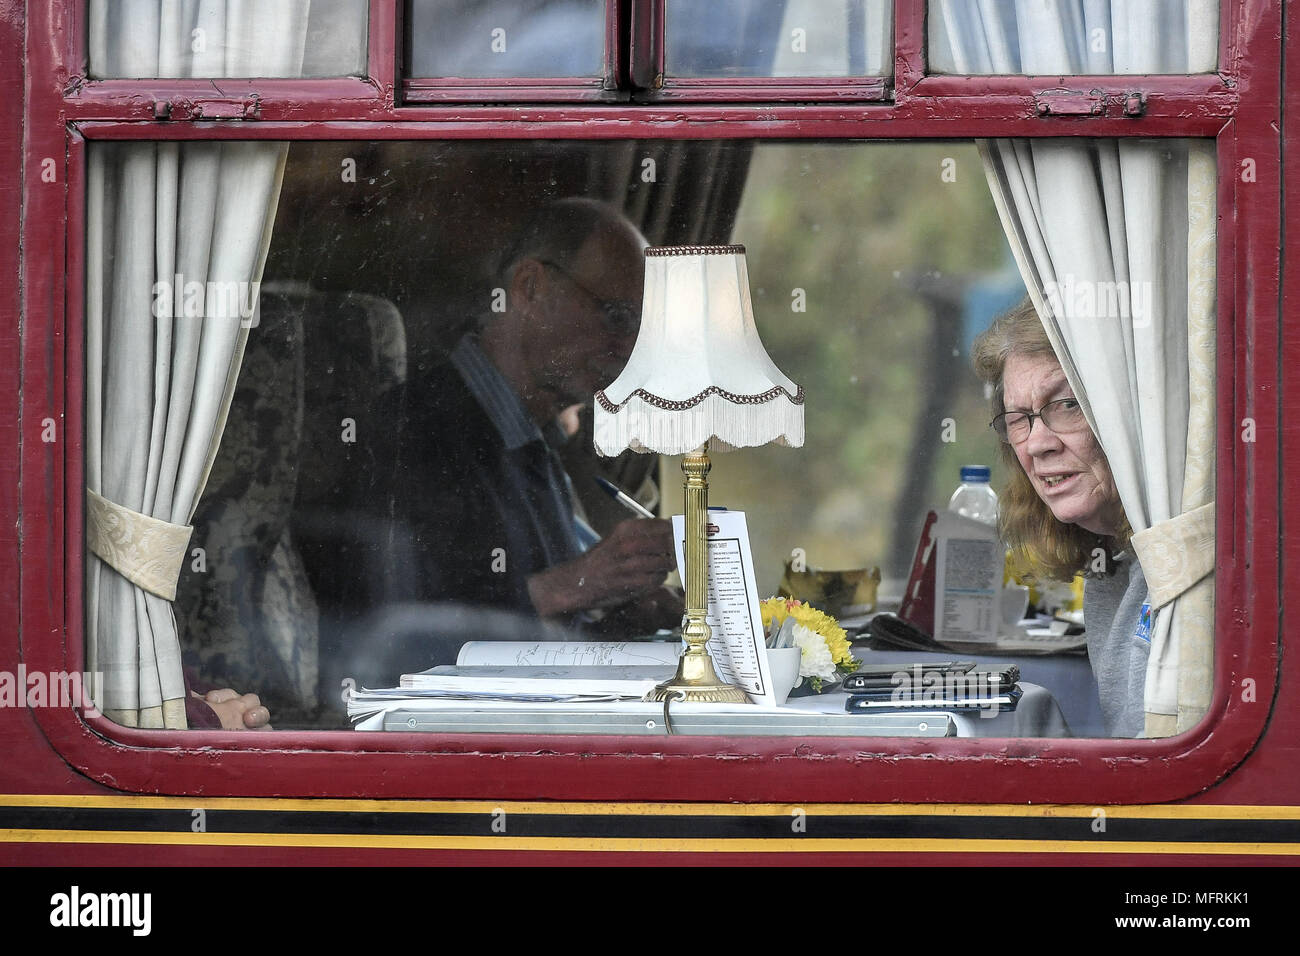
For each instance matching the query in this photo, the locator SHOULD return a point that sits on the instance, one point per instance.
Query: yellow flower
(819, 622)
(775, 609)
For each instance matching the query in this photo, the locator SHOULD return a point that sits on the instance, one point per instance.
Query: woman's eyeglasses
(1062, 416)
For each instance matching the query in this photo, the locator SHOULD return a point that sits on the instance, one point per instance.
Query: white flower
(815, 659)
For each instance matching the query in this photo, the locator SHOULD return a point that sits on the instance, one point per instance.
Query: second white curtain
(1115, 241)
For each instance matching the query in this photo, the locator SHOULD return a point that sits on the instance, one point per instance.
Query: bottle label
(968, 580)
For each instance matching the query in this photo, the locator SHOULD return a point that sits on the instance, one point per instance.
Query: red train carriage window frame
(1239, 107)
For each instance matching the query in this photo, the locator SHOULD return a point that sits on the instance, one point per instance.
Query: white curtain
(1115, 241)
(177, 235)
(1073, 37)
(213, 38)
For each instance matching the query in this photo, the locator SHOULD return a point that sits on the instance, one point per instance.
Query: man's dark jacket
(474, 518)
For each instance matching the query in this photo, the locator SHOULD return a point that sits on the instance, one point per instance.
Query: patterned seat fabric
(250, 612)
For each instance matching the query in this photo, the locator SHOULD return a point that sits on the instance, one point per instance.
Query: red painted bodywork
(1245, 752)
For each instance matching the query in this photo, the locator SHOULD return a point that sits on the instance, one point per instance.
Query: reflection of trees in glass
(877, 241)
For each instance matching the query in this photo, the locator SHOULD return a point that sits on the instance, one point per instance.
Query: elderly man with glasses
(477, 487)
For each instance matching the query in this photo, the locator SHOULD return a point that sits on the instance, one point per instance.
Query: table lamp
(698, 375)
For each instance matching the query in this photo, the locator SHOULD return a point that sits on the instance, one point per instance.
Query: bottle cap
(971, 473)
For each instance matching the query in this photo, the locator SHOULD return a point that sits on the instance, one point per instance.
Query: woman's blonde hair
(1054, 548)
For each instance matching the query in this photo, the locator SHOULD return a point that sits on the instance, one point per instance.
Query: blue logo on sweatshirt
(1145, 620)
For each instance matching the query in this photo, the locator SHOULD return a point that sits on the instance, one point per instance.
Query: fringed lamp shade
(698, 372)
(698, 379)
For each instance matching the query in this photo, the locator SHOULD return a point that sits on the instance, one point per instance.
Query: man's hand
(237, 711)
(659, 609)
(629, 562)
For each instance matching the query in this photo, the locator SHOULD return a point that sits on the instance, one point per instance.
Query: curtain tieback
(1177, 553)
(147, 551)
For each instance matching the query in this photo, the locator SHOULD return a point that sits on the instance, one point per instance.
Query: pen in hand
(626, 500)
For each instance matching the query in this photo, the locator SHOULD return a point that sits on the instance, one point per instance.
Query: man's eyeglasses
(619, 318)
(1062, 416)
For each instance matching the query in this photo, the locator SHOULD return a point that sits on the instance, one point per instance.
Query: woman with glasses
(1061, 510)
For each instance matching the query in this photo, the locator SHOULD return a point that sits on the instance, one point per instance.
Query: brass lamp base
(696, 682)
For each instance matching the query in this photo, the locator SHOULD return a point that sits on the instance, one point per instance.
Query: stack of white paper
(544, 672)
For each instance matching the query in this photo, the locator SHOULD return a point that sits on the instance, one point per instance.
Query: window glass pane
(131, 40)
(409, 447)
(832, 252)
(505, 38)
(706, 38)
(1017, 36)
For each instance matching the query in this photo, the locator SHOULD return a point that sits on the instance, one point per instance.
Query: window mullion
(909, 45)
(646, 45)
(386, 47)
(618, 30)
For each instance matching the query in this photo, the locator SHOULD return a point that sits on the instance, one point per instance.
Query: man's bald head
(556, 232)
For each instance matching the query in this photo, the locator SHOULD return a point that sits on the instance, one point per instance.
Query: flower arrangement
(826, 655)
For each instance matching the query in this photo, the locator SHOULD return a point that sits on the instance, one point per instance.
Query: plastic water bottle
(974, 498)
(970, 563)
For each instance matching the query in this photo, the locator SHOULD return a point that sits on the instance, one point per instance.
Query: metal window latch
(1069, 103)
(1135, 104)
(1076, 103)
(212, 108)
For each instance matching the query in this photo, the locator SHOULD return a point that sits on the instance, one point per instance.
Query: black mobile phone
(867, 703)
(882, 675)
(1005, 676)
